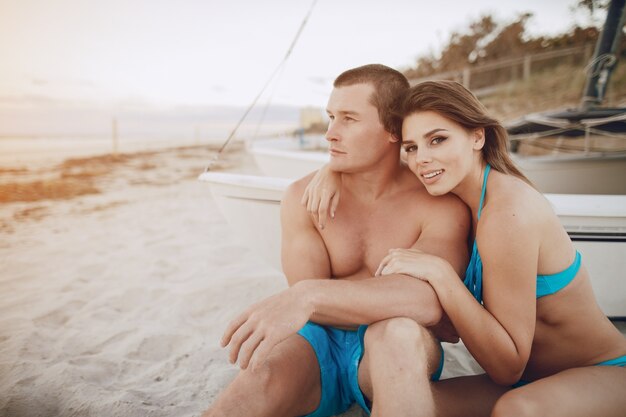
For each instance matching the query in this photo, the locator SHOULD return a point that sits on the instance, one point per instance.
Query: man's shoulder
(295, 190)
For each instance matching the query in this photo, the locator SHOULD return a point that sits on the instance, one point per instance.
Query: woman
(525, 308)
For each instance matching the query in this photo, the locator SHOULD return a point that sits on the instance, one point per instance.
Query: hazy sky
(220, 52)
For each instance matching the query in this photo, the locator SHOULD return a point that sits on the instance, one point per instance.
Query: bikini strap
(482, 193)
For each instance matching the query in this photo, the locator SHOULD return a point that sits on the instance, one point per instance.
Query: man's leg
(399, 358)
(287, 385)
(395, 373)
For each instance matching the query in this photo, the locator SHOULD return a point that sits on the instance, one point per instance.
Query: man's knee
(391, 345)
(275, 379)
(396, 334)
(266, 376)
(516, 403)
(289, 379)
(260, 389)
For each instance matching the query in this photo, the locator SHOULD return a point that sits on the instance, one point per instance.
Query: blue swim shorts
(339, 353)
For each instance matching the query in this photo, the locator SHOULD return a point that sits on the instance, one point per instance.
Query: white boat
(289, 157)
(596, 224)
(251, 206)
(562, 174)
(575, 174)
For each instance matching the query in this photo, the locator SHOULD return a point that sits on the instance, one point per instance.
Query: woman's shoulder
(512, 203)
(508, 191)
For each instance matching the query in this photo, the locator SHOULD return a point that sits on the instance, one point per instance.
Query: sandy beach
(112, 302)
(118, 276)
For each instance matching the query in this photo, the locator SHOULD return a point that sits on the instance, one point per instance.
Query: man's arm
(303, 252)
(445, 231)
(347, 303)
(312, 296)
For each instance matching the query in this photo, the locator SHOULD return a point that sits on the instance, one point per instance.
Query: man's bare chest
(357, 243)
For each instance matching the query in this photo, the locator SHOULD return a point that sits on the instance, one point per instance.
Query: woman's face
(440, 152)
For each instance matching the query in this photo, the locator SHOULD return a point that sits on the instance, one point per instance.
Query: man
(299, 350)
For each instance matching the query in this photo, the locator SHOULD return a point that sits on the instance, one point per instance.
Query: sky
(162, 54)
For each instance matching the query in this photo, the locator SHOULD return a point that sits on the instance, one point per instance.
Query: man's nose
(331, 132)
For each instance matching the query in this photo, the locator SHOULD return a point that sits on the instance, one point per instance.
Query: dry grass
(83, 176)
(554, 89)
(13, 171)
(74, 177)
(97, 160)
(53, 189)
(103, 207)
(32, 213)
(557, 88)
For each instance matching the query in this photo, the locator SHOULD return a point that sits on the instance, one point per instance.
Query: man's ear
(478, 136)
(393, 138)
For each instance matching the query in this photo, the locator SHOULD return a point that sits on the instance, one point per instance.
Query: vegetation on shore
(557, 84)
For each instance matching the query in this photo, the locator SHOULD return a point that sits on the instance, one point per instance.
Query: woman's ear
(478, 136)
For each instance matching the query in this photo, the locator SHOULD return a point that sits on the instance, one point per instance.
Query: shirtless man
(307, 350)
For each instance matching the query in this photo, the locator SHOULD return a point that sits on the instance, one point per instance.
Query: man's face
(357, 139)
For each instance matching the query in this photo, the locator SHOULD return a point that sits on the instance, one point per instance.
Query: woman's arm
(499, 335)
(321, 196)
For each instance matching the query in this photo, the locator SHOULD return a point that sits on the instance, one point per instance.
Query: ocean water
(38, 135)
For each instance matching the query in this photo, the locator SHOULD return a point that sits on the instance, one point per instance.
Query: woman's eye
(410, 148)
(438, 139)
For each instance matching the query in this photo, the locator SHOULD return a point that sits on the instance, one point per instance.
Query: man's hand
(255, 332)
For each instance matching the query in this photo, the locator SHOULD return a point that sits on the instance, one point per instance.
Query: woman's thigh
(578, 392)
(466, 396)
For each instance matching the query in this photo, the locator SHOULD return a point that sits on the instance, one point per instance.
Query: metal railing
(487, 78)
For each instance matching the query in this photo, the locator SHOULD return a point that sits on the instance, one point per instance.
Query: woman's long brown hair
(450, 99)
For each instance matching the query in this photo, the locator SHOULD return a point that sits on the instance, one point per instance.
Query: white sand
(113, 304)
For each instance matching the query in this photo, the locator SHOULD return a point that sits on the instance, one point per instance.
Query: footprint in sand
(60, 316)
(158, 348)
(118, 340)
(28, 381)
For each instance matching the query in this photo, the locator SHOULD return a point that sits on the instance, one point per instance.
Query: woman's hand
(411, 262)
(321, 196)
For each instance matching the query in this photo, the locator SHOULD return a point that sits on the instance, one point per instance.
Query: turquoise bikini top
(546, 284)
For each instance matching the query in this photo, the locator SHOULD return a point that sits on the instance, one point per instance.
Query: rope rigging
(267, 83)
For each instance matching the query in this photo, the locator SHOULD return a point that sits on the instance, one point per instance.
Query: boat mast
(278, 68)
(605, 58)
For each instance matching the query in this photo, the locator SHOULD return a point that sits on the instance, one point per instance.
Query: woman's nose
(422, 155)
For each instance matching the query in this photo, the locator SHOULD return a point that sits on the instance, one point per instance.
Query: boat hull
(595, 223)
(575, 174)
(251, 206)
(562, 174)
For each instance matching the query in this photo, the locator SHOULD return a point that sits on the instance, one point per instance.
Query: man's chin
(336, 166)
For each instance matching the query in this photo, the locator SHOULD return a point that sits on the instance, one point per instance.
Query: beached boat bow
(595, 223)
